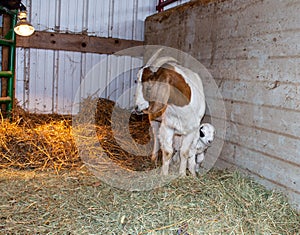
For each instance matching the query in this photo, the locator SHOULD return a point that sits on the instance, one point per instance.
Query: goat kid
(199, 146)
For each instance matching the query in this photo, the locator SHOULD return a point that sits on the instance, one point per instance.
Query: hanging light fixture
(23, 27)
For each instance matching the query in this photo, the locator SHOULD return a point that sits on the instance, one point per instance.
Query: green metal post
(12, 52)
(9, 40)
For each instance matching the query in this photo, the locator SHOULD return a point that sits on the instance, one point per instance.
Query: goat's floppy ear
(160, 93)
(147, 74)
(180, 91)
(155, 90)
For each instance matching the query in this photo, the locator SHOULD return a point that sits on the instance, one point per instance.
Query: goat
(206, 137)
(174, 95)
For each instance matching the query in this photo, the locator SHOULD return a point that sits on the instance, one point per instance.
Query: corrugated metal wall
(47, 80)
(252, 50)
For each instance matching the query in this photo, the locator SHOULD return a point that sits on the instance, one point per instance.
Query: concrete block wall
(252, 50)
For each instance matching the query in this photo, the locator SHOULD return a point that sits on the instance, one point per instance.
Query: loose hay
(37, 141)
(75, 202)
(43, 141)
(72, 201)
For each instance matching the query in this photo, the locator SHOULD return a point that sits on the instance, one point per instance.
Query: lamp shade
(23, 27)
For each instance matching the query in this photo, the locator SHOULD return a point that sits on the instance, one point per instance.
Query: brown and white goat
(173, 95)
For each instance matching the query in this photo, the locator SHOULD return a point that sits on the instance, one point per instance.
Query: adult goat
(172, 94)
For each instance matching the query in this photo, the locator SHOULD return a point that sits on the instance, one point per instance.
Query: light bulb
(23, 27)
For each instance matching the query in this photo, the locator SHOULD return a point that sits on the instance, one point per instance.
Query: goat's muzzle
(137, 111)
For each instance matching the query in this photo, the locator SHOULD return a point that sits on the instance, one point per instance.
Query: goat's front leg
(199, 159)
(192, 164)
(166, 160)
(177, 142)
(166, 141)
(156, 146)
(188, 160)
(183, 163)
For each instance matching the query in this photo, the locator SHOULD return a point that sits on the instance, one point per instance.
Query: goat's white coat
(177, 120)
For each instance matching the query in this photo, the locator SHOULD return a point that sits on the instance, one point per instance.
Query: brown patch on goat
(164, 87)
(180, 93)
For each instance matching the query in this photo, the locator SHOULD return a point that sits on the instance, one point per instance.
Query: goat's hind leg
(187, 155)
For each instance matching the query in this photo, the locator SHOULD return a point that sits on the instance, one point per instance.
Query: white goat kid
(206, 137)
(174, 94)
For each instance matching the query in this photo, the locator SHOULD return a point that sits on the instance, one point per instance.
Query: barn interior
(75, 159)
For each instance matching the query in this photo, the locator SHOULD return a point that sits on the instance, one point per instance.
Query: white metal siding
(174, 4)
(47, 80)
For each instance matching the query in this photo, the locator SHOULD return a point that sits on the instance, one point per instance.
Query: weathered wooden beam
(75, 42)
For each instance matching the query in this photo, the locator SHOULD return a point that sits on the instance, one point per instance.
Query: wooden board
(75, 42)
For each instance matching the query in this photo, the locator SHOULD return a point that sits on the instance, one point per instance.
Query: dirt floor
(76, 202)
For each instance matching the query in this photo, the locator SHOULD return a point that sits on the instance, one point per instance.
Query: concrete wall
(252, 50)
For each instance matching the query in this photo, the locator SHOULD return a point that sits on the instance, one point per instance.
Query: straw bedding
(45, 189)
(43, 141)
(75, 202)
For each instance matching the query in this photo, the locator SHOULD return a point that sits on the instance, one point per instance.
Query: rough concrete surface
(252, 50)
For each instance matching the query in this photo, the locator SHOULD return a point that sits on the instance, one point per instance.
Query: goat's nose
(209, 141)
(137, 111)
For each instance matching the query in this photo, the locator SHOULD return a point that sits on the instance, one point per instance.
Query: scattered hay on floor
(37, 141)
(75, 202)
(72, 201)
(112, 132)
(43, 141)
